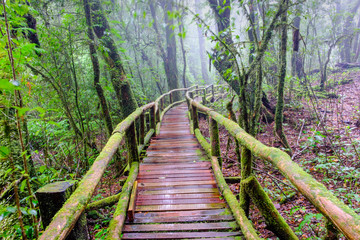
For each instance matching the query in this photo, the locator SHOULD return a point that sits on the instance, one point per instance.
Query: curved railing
(66, 218)
(344, 218)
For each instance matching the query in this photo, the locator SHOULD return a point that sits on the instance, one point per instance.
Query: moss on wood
(116, 224)
(344, 218)
(214, 139)
(274, 221)
(205, 145)
(238, 213)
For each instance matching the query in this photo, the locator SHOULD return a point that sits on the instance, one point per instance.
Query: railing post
(195, 117)
(153, 119)
(212, 91)
(148, 121)
(142, 128)
(131, 143)
(204, 97)
(161, 103)
(51, 198)
(171, 98)
(157, 115)
(215, 141)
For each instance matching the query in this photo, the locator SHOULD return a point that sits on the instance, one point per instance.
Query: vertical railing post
(171, 98)
(147, 121)
(51, 197)
(215, 141)
(142, 128)
(212, 91)
(153, 119)
(157, 114)
(161, 103)
(131, 143)
(204, 97)
(195, 117)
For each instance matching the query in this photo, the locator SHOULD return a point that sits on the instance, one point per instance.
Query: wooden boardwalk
(177, 195)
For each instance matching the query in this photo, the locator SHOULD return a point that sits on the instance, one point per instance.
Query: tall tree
(279, 116)
(96, 69)
(296, 59)
(168, 56)
(348, 30)
(111, 55)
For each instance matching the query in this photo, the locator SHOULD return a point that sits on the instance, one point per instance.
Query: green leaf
(54, 123)
(11, 209)
(33, 212)
(22, 111)
(23, 185)
(4, 151)
(5, 84)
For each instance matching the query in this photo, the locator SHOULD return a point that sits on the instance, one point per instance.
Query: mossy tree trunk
(96, 69)
(279, 116)
(296, 58)
(118, 77)
(168, 56)
(112, 58)
(249, 112)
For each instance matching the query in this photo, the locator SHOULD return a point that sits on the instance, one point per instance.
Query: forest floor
(324, 135)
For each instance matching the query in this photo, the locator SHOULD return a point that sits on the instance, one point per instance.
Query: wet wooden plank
(179, 207)
(181, 227)
(177, 187)
(178, 201)
(173, 146)
(173, 153)
(207, 212)
(176, 191)
(173, 160)
(180, 196)
(171, 184)
(132, 203)
(168, 171)
(163, 176)
(178, 235)
(166, 179)
(198, 218)
(146, 166)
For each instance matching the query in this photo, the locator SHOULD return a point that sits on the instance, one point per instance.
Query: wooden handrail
(64, 221)
(343, 217)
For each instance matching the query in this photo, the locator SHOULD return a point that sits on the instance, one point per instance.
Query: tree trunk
(169, 57)
(171, 61)
(279, 116)
(182, 35)
(348, 30)
(118, 77)
(356, 43)
(96, 69)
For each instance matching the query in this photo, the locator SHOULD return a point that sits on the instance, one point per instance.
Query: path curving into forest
(177, 194)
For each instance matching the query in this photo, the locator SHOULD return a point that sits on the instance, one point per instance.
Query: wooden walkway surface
(177, 195)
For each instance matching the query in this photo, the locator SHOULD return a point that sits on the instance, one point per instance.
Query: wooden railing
(66, 218)
(344, 218)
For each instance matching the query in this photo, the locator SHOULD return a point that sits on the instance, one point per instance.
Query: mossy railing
(65, 219)
(343, 217)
